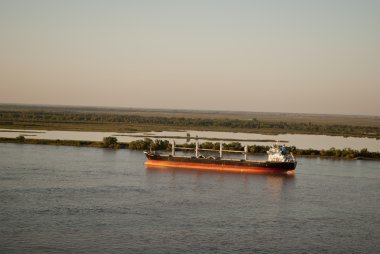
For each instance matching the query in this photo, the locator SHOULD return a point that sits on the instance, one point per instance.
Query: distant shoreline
(35, 117)
(307, 153)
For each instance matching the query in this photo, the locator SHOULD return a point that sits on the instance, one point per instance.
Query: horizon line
(184, 109)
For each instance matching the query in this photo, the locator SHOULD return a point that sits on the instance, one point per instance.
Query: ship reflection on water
(276, 185)
(268, 172)
(276, 188)
(275, 182)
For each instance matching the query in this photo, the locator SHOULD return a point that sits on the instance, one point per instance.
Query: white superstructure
(279, 154)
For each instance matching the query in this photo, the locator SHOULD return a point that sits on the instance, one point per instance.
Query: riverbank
(146, 144)
(145, 120)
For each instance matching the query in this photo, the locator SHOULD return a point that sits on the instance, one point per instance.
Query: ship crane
(197, 149)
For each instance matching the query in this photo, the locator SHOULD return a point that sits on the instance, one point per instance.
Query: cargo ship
(280, 160)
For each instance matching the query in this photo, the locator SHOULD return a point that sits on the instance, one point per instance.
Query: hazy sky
(278, 56)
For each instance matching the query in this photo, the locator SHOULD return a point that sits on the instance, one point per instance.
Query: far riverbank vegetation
(165, 145)
(139, 120)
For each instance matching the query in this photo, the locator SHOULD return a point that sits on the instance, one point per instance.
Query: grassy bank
(146, 144)
(139, 120)
(79, 143)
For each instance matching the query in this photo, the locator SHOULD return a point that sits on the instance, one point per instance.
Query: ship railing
(183, 148)
(206, 149)
(291, 154)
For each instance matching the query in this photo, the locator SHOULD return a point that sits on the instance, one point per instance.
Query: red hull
(215, 167)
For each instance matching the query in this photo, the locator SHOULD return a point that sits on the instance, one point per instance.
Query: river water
(85, 200)
(299, 140)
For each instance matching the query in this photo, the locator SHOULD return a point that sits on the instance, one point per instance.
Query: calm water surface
(86, 200)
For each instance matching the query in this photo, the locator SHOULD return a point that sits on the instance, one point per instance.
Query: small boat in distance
(280, 160)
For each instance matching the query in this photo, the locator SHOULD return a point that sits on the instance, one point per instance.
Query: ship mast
(173, 148)
(196, 148)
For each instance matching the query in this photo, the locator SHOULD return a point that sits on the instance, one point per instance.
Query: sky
(300, 56)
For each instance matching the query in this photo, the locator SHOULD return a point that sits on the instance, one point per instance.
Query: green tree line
(14, 117)
(156, 145)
